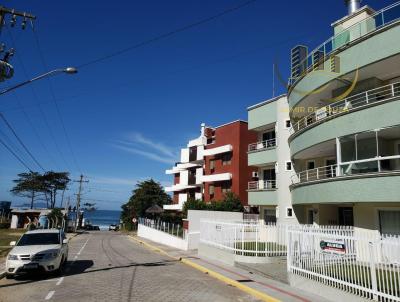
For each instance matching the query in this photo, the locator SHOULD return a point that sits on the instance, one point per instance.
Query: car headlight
(52, 255)
(12, 257)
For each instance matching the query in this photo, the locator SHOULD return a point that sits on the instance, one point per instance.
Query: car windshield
(39, 239)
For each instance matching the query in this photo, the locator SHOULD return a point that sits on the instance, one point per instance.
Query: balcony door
(267, 137)
(269, 176)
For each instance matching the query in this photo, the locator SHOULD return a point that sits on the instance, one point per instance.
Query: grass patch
(261, 249)
(6, 236)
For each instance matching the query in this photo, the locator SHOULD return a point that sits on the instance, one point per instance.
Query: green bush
(230, 203)
(5, 225)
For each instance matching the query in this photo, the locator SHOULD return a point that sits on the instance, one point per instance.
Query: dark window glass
(39, 239)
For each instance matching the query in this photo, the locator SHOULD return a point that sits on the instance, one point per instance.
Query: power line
(20, 141)
(46, 122)
(168, 34)
(15, 155)
(55, 100)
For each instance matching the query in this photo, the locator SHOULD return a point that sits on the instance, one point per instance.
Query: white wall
(283, 177)
(194, 217)
(161, 237)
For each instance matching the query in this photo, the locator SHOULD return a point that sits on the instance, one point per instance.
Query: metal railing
(357, 167)
(245, 239)
(384, 93)
(262, 185)
(358, 261)
(263, 145)
(378, 20)
(166, 227)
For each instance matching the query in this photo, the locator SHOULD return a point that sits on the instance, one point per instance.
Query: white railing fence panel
(363, 263)
(166, 227)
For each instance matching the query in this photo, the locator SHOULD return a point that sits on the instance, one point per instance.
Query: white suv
(39, 250)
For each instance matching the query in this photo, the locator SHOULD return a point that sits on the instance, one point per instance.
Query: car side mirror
(12, 243)
(65, 241)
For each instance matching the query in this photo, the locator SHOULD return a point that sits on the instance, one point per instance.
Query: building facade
(212, 165)
(269, 154)
(344, 101)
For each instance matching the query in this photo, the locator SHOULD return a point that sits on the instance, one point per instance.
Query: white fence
(357, 261)
(166, 227)
(253, 239)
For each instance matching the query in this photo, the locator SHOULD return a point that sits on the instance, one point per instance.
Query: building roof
(266, 102)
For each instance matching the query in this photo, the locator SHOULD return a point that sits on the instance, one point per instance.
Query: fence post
(242, 245)
(372, 264)
(289, 250)
(256, 241)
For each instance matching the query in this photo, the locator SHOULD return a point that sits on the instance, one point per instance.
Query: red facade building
(213, 164)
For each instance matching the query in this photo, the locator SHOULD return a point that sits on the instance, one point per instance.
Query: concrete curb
(3, 274)
(251, 291)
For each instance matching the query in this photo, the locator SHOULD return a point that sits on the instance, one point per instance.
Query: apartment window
(212, 165)
(310, 164)
(289, 212)
(227, 159)
(389, 222)
(211, 191)
(269, 216)
(288, 124)
(288, 166)
(226, 187)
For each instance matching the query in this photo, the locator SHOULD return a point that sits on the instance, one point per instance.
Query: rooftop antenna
(352, 6)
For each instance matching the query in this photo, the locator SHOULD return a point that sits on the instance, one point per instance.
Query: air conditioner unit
(254, 174)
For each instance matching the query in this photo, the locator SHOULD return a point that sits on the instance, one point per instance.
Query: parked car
(113, 227)
(41, 251)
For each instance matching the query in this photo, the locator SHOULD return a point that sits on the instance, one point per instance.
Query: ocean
(103, 218)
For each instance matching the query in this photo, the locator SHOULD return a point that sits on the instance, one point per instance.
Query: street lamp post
(68, 70)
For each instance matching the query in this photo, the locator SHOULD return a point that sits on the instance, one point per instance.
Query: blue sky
(127, 117)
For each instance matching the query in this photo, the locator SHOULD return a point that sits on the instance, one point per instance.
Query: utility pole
(78, 198)
(6, 69)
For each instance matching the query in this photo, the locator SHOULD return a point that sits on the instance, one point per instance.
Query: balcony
(262, 153)
(217, 150)
(263, 145)
(359, 168)
(216, 177)
(262, 185)
(179, 187)
(359, 101)
(316, 59)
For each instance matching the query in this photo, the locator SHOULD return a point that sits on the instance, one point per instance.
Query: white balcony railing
(380, 94)
(263, 145)
(380, 19)
(262, 185)
(356, 168)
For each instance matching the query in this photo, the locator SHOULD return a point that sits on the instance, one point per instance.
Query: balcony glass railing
(262, 185)
(315, 60)
(263, 145)
(356, 168)
(380, 94)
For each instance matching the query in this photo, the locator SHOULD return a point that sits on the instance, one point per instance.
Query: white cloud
(136, 143)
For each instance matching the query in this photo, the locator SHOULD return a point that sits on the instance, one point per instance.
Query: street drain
(245, 280)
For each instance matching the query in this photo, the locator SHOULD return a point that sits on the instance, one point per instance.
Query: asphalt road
(108, 266)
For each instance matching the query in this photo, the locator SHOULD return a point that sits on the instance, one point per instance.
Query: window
(212, 165)
(211, 191)
(389, 222)
(227, 159)
(288, 124)
(288, 166)
(310, 164)
(226, 187)
(269, 216)
(289, 212)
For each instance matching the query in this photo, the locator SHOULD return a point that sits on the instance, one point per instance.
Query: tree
(29, 185)
(89, 207)
(146, 194)
(53, 182)
(56, 217)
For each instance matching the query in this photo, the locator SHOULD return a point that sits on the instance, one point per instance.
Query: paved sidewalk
(258, 282)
